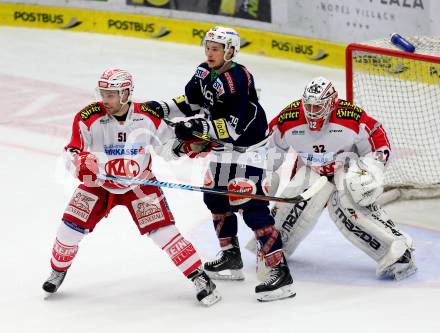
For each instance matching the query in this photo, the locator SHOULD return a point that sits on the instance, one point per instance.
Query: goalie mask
(319, 99)
(119, 80)
(226, 36)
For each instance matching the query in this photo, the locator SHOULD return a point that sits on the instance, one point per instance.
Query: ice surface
(120, 282)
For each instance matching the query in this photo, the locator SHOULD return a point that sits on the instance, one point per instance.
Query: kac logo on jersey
(122, 167)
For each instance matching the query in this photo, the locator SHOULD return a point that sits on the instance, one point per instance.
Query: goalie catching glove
(364, 180)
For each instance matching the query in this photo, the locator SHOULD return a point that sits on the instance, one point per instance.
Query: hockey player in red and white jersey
(113, 137)
(335, 138)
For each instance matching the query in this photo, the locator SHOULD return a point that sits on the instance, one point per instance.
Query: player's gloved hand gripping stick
(217, 142)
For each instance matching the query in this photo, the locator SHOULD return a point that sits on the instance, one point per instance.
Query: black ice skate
(54, 281)
(206, 293)
(278, 284)
(402, 268)
(228, 266)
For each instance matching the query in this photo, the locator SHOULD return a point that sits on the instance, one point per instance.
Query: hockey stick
(315, 188)
(218, 142)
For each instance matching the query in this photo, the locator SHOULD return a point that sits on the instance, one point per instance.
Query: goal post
(402, 91)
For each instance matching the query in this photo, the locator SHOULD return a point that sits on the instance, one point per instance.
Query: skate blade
(228, 274)
(211, 299)
(274, 295)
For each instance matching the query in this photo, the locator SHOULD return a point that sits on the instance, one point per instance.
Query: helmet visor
(316, 111)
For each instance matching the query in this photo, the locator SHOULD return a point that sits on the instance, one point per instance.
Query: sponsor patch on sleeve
(221, 129)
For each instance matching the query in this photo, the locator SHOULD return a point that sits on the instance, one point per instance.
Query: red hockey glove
(191, 148)
(86, 165)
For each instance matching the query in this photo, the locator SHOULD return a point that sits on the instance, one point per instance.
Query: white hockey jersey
(349, 129)
(122, 148)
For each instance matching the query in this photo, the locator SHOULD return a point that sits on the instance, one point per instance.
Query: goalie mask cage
(402, 91)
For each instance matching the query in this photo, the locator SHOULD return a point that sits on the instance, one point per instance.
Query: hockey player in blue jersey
(221, 101)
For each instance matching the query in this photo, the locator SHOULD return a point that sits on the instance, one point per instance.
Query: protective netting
(404, 95)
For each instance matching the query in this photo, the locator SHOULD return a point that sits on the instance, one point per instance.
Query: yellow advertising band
(173, 30)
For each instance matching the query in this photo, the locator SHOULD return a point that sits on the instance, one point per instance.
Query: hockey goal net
(402, 91)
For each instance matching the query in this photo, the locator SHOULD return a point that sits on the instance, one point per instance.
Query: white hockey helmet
(226, 36)
(117, 79)
(319, 99)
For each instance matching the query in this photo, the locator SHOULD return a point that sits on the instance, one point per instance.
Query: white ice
(121, 281)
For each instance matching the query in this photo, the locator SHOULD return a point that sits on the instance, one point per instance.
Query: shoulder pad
(90, 110)
(347, 110)
(153, 108)
(290, 112)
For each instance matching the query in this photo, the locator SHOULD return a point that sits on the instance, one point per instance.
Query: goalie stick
(221, 143)
(306, 195)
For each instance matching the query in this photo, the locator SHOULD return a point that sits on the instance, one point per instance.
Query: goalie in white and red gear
(337, 139)
(114, 137)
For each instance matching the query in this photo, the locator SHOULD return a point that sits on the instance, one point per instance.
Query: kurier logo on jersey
(122, 167)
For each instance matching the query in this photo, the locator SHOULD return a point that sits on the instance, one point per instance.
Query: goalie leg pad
(296, 221)
(370, 229)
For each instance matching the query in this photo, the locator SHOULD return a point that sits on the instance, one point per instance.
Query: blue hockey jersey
(229, 101)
